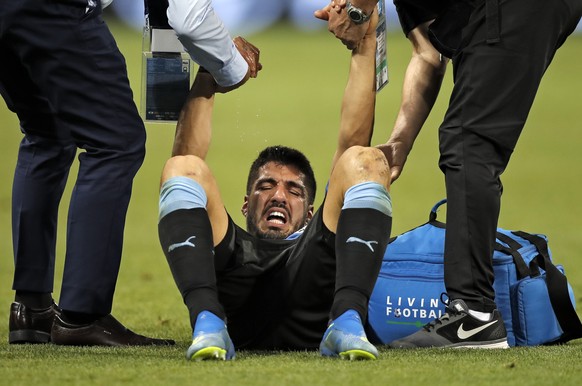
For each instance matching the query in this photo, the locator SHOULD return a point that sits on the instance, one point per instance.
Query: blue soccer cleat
(210, 340)
(345, 338)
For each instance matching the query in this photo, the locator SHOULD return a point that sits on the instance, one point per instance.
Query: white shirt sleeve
(205, 38)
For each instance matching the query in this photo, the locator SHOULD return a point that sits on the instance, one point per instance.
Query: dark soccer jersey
(277, 294)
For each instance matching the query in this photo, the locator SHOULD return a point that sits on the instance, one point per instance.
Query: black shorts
(277, 294)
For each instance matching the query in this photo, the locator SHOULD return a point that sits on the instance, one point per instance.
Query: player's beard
(272, 234)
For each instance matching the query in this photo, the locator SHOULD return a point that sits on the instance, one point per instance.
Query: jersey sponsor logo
(186, 243)
(358, 240)
(466, 334)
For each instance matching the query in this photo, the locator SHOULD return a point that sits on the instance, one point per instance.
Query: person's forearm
(207, 41)
(358, 103)
(194, 127)
(420, 89)
(422, 82)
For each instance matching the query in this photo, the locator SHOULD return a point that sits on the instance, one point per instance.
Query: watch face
(355, 16)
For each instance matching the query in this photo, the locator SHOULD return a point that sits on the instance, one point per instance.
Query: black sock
(186, 238)
(361, 240)
(34, 300)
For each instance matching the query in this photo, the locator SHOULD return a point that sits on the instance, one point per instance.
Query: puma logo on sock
(358, 240)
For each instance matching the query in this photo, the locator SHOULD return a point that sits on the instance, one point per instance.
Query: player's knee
(187, 166)
(368, 163)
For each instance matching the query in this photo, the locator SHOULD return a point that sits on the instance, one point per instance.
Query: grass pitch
(296, 102)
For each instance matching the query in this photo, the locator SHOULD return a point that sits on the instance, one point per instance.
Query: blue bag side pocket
(535, 322)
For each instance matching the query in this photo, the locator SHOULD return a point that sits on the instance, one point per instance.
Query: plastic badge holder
(167, 72)
(381, 55)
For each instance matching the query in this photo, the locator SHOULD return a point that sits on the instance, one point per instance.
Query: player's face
(277, 204)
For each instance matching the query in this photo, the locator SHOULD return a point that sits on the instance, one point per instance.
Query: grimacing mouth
(277, 215)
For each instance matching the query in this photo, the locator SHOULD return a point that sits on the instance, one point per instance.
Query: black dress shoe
(105, 331)
(27, 325)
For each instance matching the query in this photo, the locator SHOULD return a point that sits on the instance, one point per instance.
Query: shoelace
(445, 317)
(431, 325)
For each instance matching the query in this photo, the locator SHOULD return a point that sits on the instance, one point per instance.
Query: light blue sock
(369, 195)
(181, 193)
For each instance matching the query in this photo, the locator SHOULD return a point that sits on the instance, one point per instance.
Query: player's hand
(251, 54)
(338, 23)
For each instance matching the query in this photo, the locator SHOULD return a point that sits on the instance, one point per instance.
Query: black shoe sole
(28, 336)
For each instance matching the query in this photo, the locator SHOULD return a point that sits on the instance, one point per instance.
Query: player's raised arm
(194, 127)
(359, 99)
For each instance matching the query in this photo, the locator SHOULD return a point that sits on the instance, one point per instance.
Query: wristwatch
(357, 15)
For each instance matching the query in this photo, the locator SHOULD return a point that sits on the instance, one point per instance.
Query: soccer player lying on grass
(295, 279)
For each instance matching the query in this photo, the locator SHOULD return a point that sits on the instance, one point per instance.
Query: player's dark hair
(285, 156)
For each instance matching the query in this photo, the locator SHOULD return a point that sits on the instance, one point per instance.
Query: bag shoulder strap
(557, 289)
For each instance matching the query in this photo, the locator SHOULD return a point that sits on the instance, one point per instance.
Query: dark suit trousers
(63, 75)
(495, 86)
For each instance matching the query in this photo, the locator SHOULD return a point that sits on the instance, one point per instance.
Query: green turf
(295, 102)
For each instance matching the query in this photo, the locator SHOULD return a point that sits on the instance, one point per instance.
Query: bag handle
(512, 243)
(433, 212)
(520, 266)
(557, 289)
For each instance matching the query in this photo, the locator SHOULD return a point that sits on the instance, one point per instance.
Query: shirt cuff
(232, 72)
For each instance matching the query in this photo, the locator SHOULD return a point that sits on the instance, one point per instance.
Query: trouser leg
(39, 182)
(71, 64)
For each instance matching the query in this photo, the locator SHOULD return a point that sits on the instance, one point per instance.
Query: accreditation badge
(381, 52)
